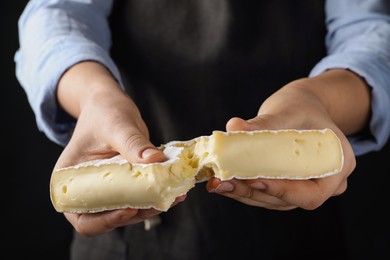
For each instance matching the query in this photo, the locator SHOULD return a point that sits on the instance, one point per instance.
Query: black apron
(190, 66)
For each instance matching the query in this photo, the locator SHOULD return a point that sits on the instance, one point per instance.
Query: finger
(148, 213)
(244, 193)
(341, 189)
(179, 199)
(136, 147)
(239, 124)
(258, 199)
(94, 224)
(142, 215)
(257, 123)
(306, 194)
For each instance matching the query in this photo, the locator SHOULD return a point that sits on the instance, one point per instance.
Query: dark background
(32, 228)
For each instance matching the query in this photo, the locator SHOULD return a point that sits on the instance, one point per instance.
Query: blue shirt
(358, 39)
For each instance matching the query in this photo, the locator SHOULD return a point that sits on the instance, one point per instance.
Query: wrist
(295, 103)
(83, 82)
(338, 94)
(346, 97)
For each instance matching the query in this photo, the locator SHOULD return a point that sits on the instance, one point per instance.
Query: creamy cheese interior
(114, 183)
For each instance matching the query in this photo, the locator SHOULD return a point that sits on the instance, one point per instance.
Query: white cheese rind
(114, 183)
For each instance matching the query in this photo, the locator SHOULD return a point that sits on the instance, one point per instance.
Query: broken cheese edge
(114, 183)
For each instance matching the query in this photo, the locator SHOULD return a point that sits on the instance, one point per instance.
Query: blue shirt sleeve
(358, 39)
(53, 36)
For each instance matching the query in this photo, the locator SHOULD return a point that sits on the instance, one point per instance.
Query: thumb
(135, 147)
(239, 124)
(257, 123)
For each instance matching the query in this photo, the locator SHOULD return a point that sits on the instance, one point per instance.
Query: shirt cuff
(51, 119)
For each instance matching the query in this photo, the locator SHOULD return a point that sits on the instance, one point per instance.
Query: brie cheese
(115, 183)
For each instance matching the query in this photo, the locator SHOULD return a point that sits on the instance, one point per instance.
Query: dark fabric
(190, 66)
(107, 246)
(263, 45)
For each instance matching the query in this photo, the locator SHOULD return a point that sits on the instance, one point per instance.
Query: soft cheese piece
(114, 183)
(287, 154)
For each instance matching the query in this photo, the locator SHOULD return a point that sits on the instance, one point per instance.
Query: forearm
(53, 36)
(339, 93)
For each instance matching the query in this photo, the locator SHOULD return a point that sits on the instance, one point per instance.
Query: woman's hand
(338, 100)
(94, 224)
(108, 123)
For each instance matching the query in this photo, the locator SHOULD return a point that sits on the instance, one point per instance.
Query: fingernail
(149, 153)
(224, 187)
(258, 186)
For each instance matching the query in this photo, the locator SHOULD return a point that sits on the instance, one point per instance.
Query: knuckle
(280, 194)
(284, 207)
(132, 142)
(249, 194)
(313, 203)
(83, 231)
(88, 231)
(341, 189)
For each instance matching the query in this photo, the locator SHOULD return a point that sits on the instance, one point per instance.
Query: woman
(178, 70)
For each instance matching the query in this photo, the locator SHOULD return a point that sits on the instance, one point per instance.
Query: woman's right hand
(108, 123)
